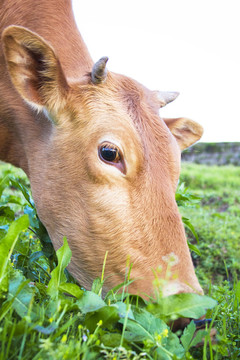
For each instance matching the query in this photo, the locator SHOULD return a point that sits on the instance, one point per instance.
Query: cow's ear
(186, 131)
(34, 68)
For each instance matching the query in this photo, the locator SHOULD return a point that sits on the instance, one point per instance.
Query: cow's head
(103, 167)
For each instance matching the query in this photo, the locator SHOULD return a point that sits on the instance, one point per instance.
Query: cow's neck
(54, 21)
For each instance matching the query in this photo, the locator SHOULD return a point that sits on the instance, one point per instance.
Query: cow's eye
(109, 153)
(112, 155)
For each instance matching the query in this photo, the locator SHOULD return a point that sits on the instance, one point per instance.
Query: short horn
(99, 71)
(165, 97)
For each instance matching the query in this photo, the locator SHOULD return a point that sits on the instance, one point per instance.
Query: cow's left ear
(186, 131)
(34, 68)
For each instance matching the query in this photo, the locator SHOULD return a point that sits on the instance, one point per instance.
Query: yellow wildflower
(165, 333)
(159, 337)
(64, 338)
(100, 323)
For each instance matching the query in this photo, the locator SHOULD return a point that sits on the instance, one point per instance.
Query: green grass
(216, 221)
(53, 318)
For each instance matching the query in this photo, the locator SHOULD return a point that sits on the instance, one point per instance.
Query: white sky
(190, 46)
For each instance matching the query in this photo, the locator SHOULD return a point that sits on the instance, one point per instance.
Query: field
(45, 315)
(216, 220)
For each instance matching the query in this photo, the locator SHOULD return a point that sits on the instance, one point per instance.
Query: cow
(102, 164)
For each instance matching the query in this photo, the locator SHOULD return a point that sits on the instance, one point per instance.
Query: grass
(216, 221)
(53, 318)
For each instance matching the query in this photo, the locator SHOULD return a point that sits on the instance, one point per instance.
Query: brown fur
(52, 120)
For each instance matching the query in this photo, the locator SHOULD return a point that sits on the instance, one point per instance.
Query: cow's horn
(166, 97)
(99, 71)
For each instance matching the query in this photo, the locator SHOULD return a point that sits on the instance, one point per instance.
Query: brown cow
(102, 164)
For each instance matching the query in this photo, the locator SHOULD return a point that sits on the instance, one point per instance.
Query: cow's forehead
(142, 106)
(124, 103)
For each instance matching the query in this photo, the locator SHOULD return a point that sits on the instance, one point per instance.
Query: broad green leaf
(148, 327)
(52, 308)
(3, 230)
(4, 183)
(18, 184)
(71, 289)
(170, 348)
(194, 248)
(7, 245)
(182, 305)
(14, 199)
(187, 222)
(143, 327)
(39, 229)
(46, 330)
(90, 302)
(43, 234)
(182, 197)
(123, 310)
(20, 328)
(21, 293)
(107, 315)
(57, 275)
(31, 212)
(7, 213)
(97, 285)
(5, 307)
(21, 248)
(138, 301)
(35, 256)
(187, 336)
(112, 340)
(198, 338)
